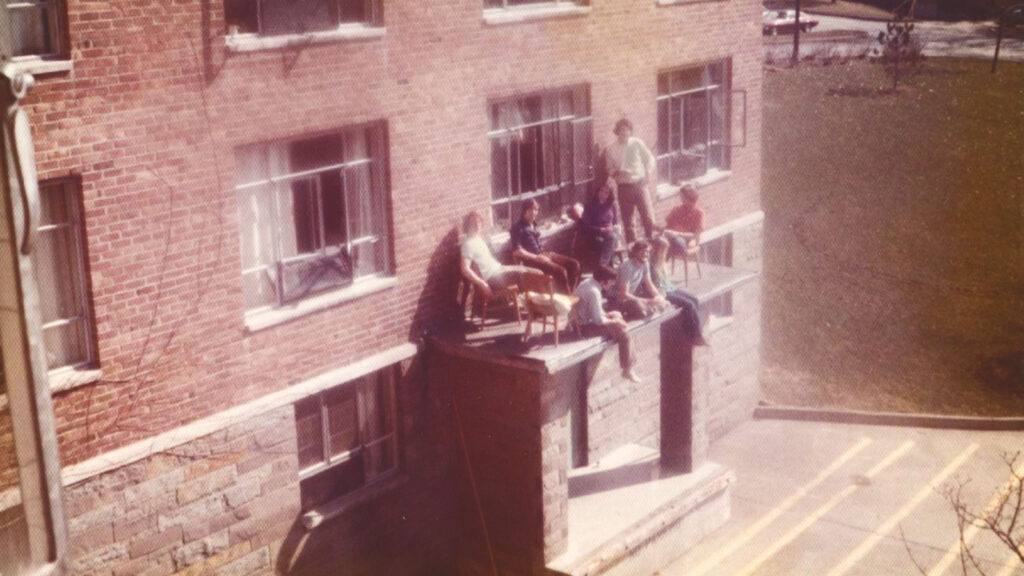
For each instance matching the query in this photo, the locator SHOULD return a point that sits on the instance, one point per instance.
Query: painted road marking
(755, 528)
(782, 542)
(902, 513)
(954, 549)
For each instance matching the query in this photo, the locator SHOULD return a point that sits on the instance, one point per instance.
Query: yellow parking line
(755, 528)
(794, 532)
(954, 549)
(1012, 563)
(902, 513)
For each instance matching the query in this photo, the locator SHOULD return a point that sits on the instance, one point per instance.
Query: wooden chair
(692, 252)
(540, 300)
(507, 298)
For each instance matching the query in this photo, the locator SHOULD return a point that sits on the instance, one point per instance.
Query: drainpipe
(21, 336)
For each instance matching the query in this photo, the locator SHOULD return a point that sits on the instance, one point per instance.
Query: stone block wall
(229, 504)
(732, 362)
(223, 504)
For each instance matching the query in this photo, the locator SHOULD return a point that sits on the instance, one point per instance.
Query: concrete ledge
(700, 505)
(951, 422)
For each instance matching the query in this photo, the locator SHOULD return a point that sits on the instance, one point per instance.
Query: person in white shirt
(489, 275)
(632, 166)
(595, 322)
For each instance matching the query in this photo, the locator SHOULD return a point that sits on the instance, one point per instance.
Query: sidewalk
(822, 499)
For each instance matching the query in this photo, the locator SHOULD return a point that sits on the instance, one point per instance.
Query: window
(35, 27)
(693, 122)
(59, 264)
(718, 252)
(347, 438)
(513, 3)
(313, 215)
(277, 17)
(541, 149)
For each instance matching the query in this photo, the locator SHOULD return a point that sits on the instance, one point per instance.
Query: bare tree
(1003, 518)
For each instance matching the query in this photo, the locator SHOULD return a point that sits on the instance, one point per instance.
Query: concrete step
(629, 517)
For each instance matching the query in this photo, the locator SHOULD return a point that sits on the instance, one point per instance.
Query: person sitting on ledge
(594, 321)
(635, 294)
(526, 247)
(600, 215)
(686, 221)
(493, 275)
(686, 302)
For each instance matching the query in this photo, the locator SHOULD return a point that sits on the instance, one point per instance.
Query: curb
(951, 422)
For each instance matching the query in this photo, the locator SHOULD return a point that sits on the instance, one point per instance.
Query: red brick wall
(154, 107)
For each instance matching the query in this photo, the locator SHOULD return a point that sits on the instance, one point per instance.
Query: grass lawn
(845, 8)
(894, 250)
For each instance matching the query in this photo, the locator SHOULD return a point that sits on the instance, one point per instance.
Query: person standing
(594, 321)
(526, 247)
(632, 166)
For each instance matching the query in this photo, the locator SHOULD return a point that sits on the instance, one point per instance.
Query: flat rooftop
(500, 340)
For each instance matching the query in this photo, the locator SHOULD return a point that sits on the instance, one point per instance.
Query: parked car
(784, 22)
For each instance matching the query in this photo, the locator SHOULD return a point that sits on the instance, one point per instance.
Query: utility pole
(26, 383)
(796, 36)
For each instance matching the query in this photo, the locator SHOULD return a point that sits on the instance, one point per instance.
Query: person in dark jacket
(599, 220)
(525, 239)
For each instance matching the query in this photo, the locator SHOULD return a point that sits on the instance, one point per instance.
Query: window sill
(546, 231)
(256, 321)
(712, 176)
(255, 43)
(40, 66)
(681, 2)
(317, 516)
(498, 16)
(64, 379)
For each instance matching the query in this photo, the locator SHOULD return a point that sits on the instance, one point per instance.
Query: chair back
(537, 283)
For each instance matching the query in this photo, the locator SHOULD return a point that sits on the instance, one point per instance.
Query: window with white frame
(541, 147)
(313, 214)
(693, 121)
(279, 17)
(718, 252)
(35, 27)
(59, 265)
(516, 3)
(347, 438)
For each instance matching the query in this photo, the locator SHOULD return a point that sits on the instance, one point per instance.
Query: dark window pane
(315, 152)
(309, 428)
(33, 30)
(342, 422)
(297, 16)
(499, 167)
(332, 483)
(353, 11)
(306, 215)
(243, 14)
(56, 207)
(333, 194)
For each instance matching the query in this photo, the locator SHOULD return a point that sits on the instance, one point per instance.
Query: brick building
(247, 260)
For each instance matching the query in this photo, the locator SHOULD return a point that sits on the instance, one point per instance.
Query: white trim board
(731, 226)
(173, 438)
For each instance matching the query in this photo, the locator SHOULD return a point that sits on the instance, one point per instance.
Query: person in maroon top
(686, 221)
(598, 221)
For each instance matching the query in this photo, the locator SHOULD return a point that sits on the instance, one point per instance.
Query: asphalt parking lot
(832, 499)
